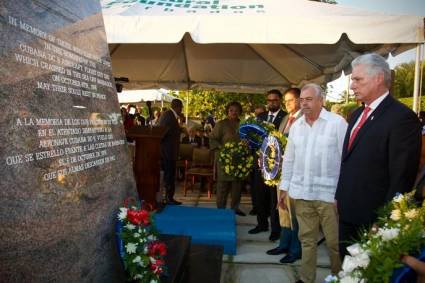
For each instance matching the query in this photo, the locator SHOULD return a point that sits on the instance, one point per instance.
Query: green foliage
(404, 79)
(408, 101)
(202, 102)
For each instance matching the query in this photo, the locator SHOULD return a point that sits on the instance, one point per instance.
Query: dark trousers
(274, 213)
(348, 234)
(252, 192)
(262, 197)
(169, 167)
(266, 198)
(289, 241)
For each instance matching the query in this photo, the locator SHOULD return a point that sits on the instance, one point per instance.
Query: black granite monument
(64, 164)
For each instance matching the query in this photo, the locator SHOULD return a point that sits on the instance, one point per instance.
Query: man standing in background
(170, 148)
(266, 196)
(289, 243)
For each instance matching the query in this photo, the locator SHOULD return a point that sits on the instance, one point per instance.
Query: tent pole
(187, 106)
(347, 95)
(416, 84)
(421, 76)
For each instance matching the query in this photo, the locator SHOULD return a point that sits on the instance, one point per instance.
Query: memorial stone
(64, 162)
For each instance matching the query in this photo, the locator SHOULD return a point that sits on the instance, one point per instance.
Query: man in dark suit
(381, 150)
(170, 147)
(266, 197)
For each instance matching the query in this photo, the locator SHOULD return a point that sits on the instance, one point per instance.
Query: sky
(406, 7)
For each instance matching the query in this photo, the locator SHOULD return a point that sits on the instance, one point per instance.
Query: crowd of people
(336, 174)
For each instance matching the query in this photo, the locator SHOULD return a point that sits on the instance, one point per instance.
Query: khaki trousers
(311, 215)
(223, 189)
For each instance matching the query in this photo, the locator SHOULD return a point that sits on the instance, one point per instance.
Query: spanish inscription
(75, 144)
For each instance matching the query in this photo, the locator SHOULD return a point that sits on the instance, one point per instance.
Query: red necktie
(359, 126)
(289, 124)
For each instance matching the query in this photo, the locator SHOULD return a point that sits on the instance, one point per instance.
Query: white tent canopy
(234, 46)
(134, 96)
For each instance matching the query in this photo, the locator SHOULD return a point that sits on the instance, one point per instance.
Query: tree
(203, 102)
(404, 79)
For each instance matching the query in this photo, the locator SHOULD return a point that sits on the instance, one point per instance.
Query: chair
(201, 166)
(184, 158)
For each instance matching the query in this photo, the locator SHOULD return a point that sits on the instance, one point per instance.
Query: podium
(147, 161)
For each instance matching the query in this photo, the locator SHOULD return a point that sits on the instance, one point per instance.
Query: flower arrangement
(143, 254)
(399, 231)
(254, 131)
(236, 159)
(271, 153)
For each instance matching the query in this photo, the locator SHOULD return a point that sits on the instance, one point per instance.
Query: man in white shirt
(310, 173)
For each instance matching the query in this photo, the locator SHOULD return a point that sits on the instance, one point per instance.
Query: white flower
(152, 259)
(138, 276)
(352, 262)
(130, 226)
(142, 264)
(153, 281)
(151, 238)
(331, 278)
(355, 249)
(136, 235)
(398, 198)
(122, 214)
(388, 234)
(137, 259)
(412, 213)
(349, 264)
(395, 214)
(131, 248)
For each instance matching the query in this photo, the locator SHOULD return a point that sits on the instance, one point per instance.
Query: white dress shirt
(312, 159)
(274, 114)
(372, 107)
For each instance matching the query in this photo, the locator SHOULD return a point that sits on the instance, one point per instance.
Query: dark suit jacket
(383, 160)
(171, 140)
(277, 120)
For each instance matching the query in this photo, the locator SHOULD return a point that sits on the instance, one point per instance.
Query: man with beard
(266, 196)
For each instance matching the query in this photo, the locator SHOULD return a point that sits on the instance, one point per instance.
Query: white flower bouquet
(399, 231)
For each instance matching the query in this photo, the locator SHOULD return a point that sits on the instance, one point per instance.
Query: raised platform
(209, 226)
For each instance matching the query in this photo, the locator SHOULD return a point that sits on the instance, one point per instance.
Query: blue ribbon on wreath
(119, 241)
(253, 133)
(270, 174)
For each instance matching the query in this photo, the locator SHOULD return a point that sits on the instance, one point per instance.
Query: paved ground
(251, 264)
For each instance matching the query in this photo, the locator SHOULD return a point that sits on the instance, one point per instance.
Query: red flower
(156, 266)
(157, 248)
(138, 217)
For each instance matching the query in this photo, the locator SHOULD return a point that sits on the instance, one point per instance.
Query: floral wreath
(236, 159)
(140, 250)
(254, 131)
(271, 153)
(376, 257)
